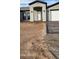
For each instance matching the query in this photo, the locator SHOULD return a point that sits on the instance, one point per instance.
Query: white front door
(39, 16)
(35, 16)
(54, 15)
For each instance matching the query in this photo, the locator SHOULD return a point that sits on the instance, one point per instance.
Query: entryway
(37, 14)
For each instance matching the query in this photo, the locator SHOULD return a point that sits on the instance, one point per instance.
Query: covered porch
(37, 13)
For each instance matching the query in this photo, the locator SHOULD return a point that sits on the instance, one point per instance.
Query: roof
(37, 1)
(53, 4)
(24, 8)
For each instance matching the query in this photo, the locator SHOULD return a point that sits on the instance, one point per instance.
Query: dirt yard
(35, 43)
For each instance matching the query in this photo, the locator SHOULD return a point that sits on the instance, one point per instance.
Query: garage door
(54, 15)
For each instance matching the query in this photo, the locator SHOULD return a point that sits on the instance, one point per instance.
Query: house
(24, 14)
(39, 11)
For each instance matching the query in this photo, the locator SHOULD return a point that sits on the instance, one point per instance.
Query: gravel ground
(35, 43)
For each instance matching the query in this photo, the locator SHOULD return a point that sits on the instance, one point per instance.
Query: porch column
(31, 14)
(44, 13)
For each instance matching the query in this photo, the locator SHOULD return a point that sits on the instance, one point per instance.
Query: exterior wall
(31, 14)
(43, 10)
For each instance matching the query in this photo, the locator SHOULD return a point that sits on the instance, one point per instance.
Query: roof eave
(37, 1)
(53, 5)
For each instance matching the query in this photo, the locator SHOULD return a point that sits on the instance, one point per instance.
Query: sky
(24, 3)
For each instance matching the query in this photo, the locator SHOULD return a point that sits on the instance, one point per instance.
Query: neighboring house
(24, 14)
(39, 11)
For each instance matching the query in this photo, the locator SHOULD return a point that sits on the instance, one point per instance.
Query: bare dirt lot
(35, 43)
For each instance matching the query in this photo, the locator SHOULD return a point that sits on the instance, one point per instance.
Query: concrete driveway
(32, 41)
